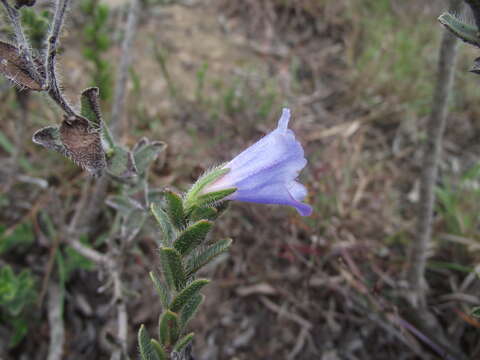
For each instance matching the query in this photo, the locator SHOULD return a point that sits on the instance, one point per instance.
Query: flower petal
(266, 171)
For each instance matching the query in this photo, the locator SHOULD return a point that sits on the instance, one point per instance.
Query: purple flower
(266, 172)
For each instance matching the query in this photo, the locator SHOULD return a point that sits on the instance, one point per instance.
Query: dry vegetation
(358, 76)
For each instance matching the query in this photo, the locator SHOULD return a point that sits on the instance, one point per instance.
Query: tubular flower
(266, 172)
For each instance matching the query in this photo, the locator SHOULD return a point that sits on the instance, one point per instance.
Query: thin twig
(90, 254)
(55, 320)
(22, 44)
(122, 316)
(116, 122)
(50, 61)
(432, 152)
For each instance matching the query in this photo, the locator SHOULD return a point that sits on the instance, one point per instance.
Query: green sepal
(192, 236)
(164, 222)
(221, 207)
(202, 213)
(186, 294)
(172, 268)
(213, 197)
(145, 154)
(147, 352)
(204, 180)
(183, 342)
(466, 32)
(204, 257)
(162, 355)
(190, 309)
(175, 209)
(161, 290)
(169, 329)
(90, 105)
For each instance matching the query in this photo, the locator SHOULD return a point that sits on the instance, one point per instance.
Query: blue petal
(266, 171)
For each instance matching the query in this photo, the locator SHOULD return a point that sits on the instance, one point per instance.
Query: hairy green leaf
(90, 105)
(172, 268)
(192, 236)
(204, 257)
(202, 213)
(159, 349)
(147, 352)
(183, 342)
(161, 290)
(175, 209)
(187, 294)
(164, 222)
(169, 329)
(121, 165)
(146, 155)
(190, 309)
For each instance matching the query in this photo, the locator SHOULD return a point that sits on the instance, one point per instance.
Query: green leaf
(169, 329)
(183, 342)
(161, 290)
(175, 209)
(192, 236)
(202, 213)
(147, 351)
(146, 155)
(20, 238)
(90, 106)
(172, 268)
(159, 349)
(475, 312)
(204, 257)
(464, 31)
(187, 294)
(164, 222)
(121, 164)
(190, 309)
(203, 181)
(214, 197)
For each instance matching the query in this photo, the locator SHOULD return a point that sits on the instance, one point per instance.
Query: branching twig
(432, 152)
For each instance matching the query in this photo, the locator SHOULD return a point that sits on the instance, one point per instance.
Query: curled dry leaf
(83, 143)
(76, 139)
(13, 67)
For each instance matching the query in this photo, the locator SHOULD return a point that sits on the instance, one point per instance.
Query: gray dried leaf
(13, 67)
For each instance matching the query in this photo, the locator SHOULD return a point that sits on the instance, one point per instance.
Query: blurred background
(210, 77)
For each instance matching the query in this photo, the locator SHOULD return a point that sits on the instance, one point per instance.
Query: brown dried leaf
(13, 67)
(83, 143)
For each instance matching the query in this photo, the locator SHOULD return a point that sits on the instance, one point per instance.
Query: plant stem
(50, 60)
(431, 157)
(117, 122)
